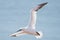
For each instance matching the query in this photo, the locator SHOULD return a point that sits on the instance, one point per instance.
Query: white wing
(17, 34)
(33, 15)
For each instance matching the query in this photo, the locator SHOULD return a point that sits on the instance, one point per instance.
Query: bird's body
(31, 27)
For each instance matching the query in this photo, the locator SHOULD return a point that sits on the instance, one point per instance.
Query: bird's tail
(39, 36)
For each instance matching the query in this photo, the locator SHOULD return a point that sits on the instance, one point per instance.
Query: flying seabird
(31, 27)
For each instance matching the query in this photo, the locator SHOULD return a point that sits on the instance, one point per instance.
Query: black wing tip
(40, 6)
(43, 3)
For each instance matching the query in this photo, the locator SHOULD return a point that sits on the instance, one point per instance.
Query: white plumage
(31, 27)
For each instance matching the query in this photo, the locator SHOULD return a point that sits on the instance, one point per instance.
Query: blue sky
(15, 14)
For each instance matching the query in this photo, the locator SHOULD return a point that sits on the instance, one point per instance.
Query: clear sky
(15, 14)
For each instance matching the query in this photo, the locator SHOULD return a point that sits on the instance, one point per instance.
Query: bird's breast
(29, 31)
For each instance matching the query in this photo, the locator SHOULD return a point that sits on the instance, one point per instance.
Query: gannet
(30, 29)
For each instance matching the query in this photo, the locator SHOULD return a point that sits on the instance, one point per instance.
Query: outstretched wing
(19, 33)
(33, 15)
